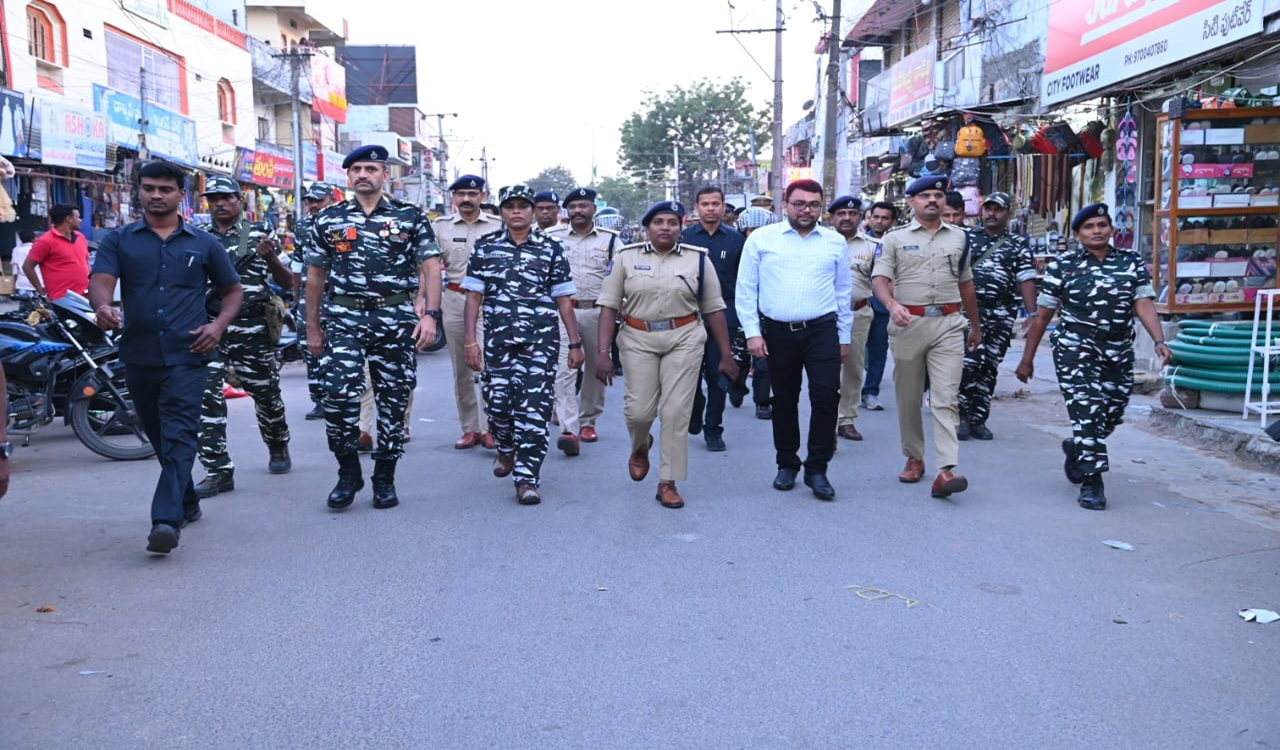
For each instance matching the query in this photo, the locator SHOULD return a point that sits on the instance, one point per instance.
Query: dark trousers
(168, 402)
(813, 352)
(877, 349)
(712, 405)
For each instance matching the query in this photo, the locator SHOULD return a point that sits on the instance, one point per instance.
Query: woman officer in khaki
(660, 286)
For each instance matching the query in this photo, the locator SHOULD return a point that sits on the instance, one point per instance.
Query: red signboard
(911, 85)
(262, 168)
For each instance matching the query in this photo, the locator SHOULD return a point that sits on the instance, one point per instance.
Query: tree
(710, 122)
(557, 178)
(631, 199)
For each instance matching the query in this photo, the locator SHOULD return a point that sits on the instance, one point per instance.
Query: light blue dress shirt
(790, 278)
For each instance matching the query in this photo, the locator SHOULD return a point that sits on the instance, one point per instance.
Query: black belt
(361, 302)
(1096, 332)
(800, 325)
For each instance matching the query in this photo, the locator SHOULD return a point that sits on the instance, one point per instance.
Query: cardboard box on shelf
(1256, 134)
(1224, 136)
(1264, 200)
(1228, 236)
(1195, 201)
(1231, 200)
(1198, 236)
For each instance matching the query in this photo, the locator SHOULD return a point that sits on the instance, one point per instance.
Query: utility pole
(143, 151)
(484, 163)
(779, 153)
(296, 55)
(833, 104)
(444, 151)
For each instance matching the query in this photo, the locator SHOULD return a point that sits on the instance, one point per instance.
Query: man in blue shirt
(163, 266)
(724, 249)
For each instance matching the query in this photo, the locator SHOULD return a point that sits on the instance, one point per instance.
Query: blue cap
(467, 182)
(729, 208)
(547, 196)
(365, 153)
(844, 201)
(663, 207)
(580, 194)
(1091, 211)
(921, 184)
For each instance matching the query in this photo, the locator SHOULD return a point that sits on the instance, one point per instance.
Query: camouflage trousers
(519, 393)
(982, 365)
(314, 385)
(1096, 377)
(245, 347)
(385, 339)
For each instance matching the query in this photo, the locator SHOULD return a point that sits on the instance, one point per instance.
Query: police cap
(467, 182)
(516, 193)
(366, 153)
(921, 184)
(546, 196)
(221, 185)
(663, 207)
(580, 194)
(1091, 211)
(844, 201)
(1000, 199)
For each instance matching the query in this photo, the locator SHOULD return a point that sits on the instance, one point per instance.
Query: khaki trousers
(934, 346)
(577, 410)
(851, 373)
(662, 369)
(366, 405)
(465, 391)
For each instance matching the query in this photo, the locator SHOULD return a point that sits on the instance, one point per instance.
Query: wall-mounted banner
(169, 135)
(911, 85)
(263, 168)
(72, 137)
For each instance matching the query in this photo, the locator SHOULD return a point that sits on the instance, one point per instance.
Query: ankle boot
(350, 481)
(1092, 496)
(280, 462)
(384, 483)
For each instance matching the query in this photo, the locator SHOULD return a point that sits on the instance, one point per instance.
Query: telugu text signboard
(911, 85)
(169, 135)
(1094, 44)
(262, 168)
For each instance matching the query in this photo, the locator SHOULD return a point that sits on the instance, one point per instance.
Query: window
(226, 102)
(264, 129)
(46, 33)
(166, 74)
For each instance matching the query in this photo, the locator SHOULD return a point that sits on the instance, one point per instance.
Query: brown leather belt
(859, 305)
(933, 311)
(669, 324)
(455, 287)
(584, 304)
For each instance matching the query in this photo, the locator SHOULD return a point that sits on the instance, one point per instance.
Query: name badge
(459, 239)
(643, 268)
(910, 247)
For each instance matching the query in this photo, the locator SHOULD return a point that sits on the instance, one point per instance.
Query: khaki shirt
(650, 285)
(862, 256)
(457, 239)
(588, 257)
(925, 269)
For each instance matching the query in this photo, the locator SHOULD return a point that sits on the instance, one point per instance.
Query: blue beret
(1089, 212)
(844, 201)
(547, 196)
(580, 194)
(221, 184)
(467, 182)
(365, 153)
(663, 207)
(920, 184)
(729, 208)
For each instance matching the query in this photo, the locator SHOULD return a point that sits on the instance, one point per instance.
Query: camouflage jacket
(997, 275)
(301, 245)
(253, 269)
(519, 284)
(1099, 293)
(375, 254)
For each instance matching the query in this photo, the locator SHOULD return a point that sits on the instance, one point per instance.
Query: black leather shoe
(980, 432)
(215, 483)
(280, 462)
(316, 413)
(822, 489)
(162, 539)
(695, 421)
(786, 479)
(350, 481)
(384, 484)
(1069, 467)
(764, 412)
(1092, 496)
(715, 443)
(962, 431)
(735, 399)
(191, 514)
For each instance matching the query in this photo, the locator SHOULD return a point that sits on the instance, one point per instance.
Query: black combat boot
(350, 481)
(280, 462)
(214, 483)
(1069, 466)
(1092, 496)
(384, 483)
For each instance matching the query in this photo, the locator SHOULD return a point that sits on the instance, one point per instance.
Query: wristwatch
(578, 345)
(6, 450)
(433, 313)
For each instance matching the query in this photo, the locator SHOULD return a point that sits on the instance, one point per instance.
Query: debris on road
(45, 609)
(88, 672)
(1196, 507)
(871, 594)
(1263, 616)
(1113, 544)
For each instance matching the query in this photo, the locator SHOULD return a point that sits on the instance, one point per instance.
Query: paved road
(600, 619)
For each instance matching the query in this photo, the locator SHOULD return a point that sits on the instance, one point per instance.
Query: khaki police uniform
(589, 256)
(457, 238)
(925, 270)
(660, 291)
(862, 255)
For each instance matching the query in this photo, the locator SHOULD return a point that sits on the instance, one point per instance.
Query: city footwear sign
(1094, 44)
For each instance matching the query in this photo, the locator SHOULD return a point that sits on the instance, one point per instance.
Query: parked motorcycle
(58, 363)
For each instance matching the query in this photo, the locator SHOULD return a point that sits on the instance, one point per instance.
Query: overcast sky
(541, 83)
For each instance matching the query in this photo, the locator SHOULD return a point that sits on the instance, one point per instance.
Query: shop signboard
(911, 85)
(875, 109)
(329, 88)
(1094, 45)
(310, 162)
(169, 135)
(264, 166)
(332, 171)
(72, 137)
(13, 123)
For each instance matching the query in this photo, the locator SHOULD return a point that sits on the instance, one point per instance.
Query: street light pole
(779, 153)
(444, 150)
(833, 104)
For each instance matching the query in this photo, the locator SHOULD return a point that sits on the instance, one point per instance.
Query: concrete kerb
(1229, 434)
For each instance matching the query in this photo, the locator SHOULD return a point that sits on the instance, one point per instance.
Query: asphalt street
(601, 619)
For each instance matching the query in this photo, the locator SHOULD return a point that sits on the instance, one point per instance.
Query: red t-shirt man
(62, 255)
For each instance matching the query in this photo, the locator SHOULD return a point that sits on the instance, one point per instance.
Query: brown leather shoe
(848, 432)
(366, 443)
(588, 434)
(527, 494)
(504, 464)
(669, 496)
(468, 440)
(638, 464)
(486, 440)
(948, 484)
(913, 472)
(568, 442)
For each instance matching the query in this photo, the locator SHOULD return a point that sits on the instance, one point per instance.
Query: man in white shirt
(794, 300)
(20, 256)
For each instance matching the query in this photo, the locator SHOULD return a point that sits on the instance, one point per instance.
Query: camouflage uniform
(244, 347)
(522, 341)
(301, 245)
(996, 276)
(1093, 342)
(372, 262)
